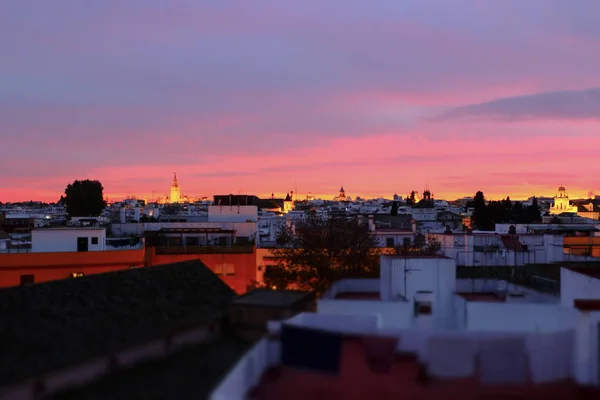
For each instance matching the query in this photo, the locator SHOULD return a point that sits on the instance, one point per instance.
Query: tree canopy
(487, 214)
(84, 198)
(318, 251)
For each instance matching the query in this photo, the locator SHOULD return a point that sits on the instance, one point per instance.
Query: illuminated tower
(175, 196)
(562, 203)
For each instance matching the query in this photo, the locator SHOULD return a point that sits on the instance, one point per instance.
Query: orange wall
(581, 245)
(53, 266)
(244, 264)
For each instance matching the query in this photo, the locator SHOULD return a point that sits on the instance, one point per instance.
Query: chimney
(371, 223)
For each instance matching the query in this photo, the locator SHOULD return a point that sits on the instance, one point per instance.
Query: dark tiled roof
(392, 221)
(425, 204)
(235, 200)
(191, 373)
(270, 203)
(61, 323)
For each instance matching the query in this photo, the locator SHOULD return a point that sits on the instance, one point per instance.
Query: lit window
(76, 274)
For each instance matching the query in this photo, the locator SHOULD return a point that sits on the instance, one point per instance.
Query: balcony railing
(239, 249)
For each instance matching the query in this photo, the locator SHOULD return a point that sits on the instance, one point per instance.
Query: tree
(480, 218)
(532, 212)
(410, 199)
(394, 211)
(84, 198)
(319, 251)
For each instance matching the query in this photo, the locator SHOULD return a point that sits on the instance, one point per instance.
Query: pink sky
(385, 97)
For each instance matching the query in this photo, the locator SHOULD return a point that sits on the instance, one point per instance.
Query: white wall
(405, 276)
(459, 305)
(350, 324)
(352, 286)
(574, 285)
(587, 363)
(59, 240)
(232, 213)
(393, 314)
(518, 317)
(408, 275)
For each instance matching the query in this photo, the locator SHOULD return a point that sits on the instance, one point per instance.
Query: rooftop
(273, 298)
(190, 373)
(52, 325)
(405, 380)
(358, 296)
(417, 256)
(482, 296)
(69, 228)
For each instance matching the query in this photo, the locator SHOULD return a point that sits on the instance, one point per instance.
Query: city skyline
(160, 195)
(382, 98)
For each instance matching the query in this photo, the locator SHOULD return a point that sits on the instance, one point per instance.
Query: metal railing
(239, 249)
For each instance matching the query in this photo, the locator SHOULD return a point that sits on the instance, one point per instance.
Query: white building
(562, 203)
(452, 327)
(493, 249)
(232, 213)
(79, 239)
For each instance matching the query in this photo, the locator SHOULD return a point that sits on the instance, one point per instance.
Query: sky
(269, 96)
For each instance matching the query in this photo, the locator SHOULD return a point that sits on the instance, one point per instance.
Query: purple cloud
(569, 105)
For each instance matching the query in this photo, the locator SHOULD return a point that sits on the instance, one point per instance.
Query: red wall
(53, 266)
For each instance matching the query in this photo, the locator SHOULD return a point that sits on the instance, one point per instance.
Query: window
(76, 274)
(229, 269)
(406, 242)
(389, 242)
(94, 240)
(225, 269)
(27, 280)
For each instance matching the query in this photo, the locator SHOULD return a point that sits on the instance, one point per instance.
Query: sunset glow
(381, 97)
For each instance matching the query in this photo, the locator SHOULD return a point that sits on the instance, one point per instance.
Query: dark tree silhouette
(319, 251)
(480, 218)
(532, 212)
(394, 211)
(410, 199)
(84, 198)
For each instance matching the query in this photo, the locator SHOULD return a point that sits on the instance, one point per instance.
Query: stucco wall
(232, 213)
(60, 240)
(574, 285)
(517, 317)
(393, 314)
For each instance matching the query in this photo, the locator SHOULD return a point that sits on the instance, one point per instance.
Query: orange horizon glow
(541, 192)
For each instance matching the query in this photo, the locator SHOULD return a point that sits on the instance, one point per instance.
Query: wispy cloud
(570, 105)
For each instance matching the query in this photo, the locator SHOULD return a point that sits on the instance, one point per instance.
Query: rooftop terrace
(404, 380)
